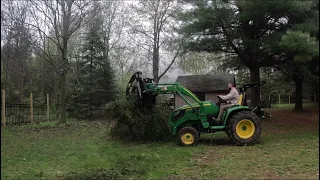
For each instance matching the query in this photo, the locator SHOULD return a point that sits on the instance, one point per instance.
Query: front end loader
(241, 125)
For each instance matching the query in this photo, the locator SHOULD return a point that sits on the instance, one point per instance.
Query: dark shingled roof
(206, 83)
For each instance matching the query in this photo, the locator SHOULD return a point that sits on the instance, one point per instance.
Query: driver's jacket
(232, 97)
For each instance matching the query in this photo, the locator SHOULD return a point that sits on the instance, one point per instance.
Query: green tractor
(239, 122)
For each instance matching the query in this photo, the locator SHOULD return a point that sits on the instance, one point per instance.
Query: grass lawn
(289, 149)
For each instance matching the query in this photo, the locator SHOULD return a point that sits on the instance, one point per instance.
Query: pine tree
(95, 82)
(245, 29)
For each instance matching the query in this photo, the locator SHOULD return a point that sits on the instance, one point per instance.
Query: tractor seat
(240, 101)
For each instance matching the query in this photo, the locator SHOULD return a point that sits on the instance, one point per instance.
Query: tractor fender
(186, 121)
(191, 123)
(234, 110)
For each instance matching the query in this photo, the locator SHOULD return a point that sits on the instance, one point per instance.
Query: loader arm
(146, 91)
(174, 88)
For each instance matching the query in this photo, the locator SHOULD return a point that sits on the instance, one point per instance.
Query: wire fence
(21, 113)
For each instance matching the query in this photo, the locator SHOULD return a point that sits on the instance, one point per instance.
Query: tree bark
(63, 118)
(155, 52)
(298, 103)
(155, 59)
(64, 53)
(91, 81)
(317, 91)
(255, 92)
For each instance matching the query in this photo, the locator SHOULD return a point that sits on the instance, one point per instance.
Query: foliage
(42, 54)
(201, 63)
(138, 123)
(242, 28)
(16, 60)
(299, 48)
(94, 84)
(301, 44)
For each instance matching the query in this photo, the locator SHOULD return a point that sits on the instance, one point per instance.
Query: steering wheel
(221, 100)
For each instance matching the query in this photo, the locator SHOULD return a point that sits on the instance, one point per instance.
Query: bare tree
(16, 47)
(127, 60)
(201, 63)
(155, 27)
(124, 56)
(62, 18)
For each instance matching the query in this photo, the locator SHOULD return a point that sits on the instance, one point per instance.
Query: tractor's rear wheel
(188, 136)
(244, 128)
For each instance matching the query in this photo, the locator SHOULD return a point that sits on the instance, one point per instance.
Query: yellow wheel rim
(245, 129)
(187, 138)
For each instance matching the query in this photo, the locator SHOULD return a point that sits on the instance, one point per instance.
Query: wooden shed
(205, 87)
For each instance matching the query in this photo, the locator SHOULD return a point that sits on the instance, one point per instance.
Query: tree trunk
(155, 53)
(91, 81)
(64, 53)
(63, 118)
(317, 91)
(255, 92)
(55, 90)
(63, 82)
(155, 63)
(298, 103)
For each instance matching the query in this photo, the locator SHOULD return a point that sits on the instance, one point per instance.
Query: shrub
(137, 123)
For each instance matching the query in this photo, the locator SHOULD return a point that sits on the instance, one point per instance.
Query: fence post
(3, 109)
(31, 108)
(48, 107)
(279, 99)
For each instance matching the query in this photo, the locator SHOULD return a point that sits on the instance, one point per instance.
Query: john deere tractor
(241, 125)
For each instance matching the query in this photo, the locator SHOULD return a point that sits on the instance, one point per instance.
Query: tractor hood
(195, 105)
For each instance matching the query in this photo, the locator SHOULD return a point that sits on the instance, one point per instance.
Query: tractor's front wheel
(244, 128)
(188, 136)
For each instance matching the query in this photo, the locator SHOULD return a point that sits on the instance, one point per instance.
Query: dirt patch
(291, 120)
(206, 158)
(174, 177)
(272, 175)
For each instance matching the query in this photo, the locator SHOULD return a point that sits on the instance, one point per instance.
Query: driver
(231, 99)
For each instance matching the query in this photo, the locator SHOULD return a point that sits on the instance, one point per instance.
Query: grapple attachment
(136, 89)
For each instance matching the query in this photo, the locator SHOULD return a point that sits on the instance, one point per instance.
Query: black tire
(245, 120)
(228, 134)
(193, 134)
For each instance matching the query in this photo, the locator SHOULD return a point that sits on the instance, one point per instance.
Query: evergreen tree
(300, 47)
(243, 29)
(95, 82)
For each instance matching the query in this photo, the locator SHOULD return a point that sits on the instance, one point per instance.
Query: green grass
(82, 150)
